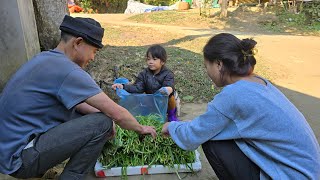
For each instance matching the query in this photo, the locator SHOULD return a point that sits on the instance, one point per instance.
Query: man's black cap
(87, 28)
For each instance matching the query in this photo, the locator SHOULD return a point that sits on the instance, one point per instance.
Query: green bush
(102, 6)
(312, 11)
(117, 6)
(86, 4)
(292, 19)
(159, 2)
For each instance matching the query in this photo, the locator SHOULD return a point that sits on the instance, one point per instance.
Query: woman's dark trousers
(229, 162)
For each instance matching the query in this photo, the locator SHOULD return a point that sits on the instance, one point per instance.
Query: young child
(156, 77)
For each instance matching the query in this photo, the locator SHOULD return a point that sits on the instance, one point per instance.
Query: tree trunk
(49, 15)
(224, 8)
(196, 3)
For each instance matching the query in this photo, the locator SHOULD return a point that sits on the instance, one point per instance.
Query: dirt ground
(292, 59)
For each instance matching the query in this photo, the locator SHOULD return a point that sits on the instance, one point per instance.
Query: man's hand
(115, 86)
(148, 130)
(165, 130)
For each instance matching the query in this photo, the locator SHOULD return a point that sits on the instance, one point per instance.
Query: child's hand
(115, 86)
(165, 90)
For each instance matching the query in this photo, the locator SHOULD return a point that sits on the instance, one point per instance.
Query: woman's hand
(165, 130)
(115, 86)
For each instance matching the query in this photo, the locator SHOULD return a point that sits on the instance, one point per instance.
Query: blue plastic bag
(121, 80)
(144, 104)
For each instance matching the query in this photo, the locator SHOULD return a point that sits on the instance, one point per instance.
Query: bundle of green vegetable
(131, 149)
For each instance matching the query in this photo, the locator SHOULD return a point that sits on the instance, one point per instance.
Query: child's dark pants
(229, 162)
(80, 139)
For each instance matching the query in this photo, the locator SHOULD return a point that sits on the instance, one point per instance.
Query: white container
(154, 169)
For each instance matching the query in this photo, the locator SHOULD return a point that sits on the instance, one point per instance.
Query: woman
(250, 129)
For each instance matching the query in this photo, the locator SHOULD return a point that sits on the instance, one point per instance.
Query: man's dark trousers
(80, 139)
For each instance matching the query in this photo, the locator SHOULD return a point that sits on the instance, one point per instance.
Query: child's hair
(236, 55)
(157, 51)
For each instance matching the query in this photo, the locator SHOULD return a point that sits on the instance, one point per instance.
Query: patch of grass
(190, 18)
(272, 26)
(272, 19)
(190, 75)
(288, 22)
(315, 27)
(133, 36)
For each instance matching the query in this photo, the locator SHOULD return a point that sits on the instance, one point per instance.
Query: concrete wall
(19, 40)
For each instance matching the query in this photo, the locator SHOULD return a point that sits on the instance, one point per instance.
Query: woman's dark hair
(236, 55)
(157, 51)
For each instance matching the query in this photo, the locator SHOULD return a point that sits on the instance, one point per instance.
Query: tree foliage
(312, 11)
(117, 6)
